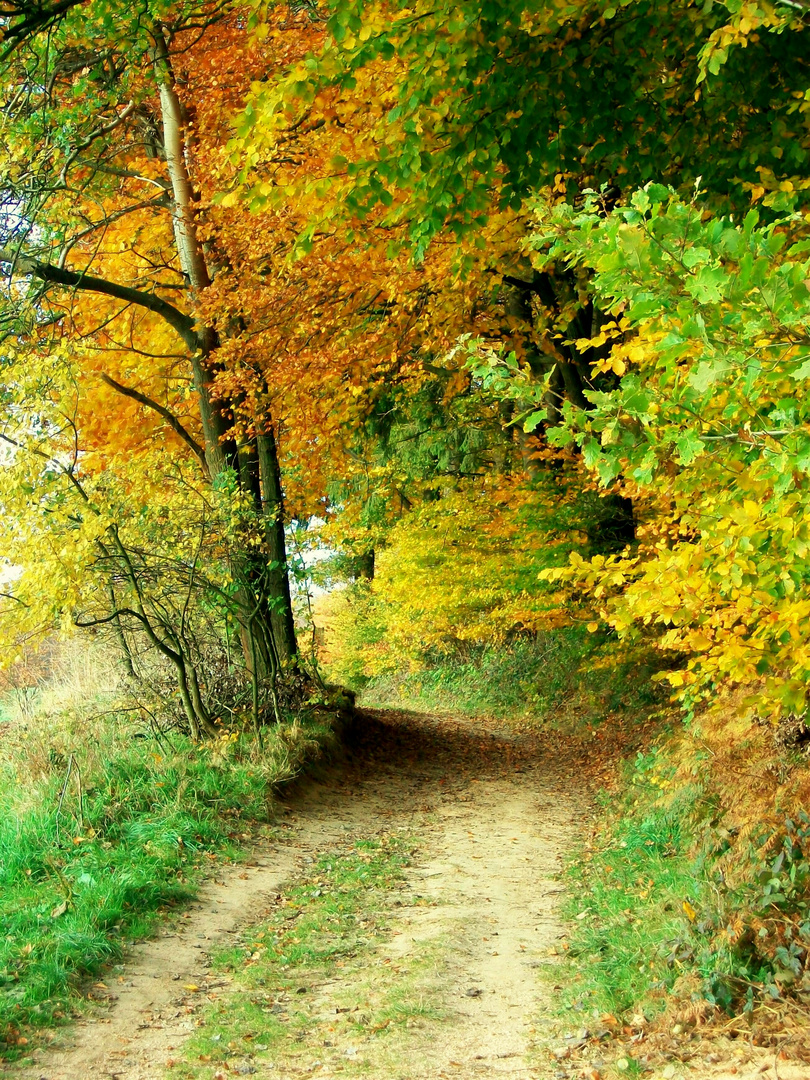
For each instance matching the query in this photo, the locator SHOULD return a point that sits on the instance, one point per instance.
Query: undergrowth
(674, 901)
(543, 677)
(101, 828)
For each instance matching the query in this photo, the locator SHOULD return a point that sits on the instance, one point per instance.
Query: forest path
(487, 814)
(491, 815)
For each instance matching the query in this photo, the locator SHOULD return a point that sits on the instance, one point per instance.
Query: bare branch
(36, 17)
(167, 415)
(57, 275)
(11, 596)
(103, 129)
(159, 200)
(127, 174)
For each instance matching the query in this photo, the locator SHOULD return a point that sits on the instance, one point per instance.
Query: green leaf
(706, 374)
(534, 419)
(689, 446)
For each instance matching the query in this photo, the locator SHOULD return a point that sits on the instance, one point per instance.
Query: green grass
(327, 927)
(327, 907)
(536, 677)
(631, 935)
(81, 875)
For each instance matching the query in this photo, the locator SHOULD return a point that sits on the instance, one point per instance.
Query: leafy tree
(101, 219)
(480, 99)
(637, 334)
(706, 427)
(474, 107)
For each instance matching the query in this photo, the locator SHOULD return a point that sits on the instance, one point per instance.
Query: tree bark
(569, 376)
(271, 585)
(281, 615)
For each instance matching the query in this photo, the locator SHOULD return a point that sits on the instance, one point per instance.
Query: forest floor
(452, 954)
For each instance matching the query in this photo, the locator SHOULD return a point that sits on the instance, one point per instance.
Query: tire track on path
(493, 811)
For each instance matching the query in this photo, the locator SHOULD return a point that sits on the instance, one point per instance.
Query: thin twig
(62, 795)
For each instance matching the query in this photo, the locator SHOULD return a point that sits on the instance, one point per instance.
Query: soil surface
(492, 811)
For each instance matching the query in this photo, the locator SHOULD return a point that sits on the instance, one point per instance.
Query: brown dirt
(493, 812)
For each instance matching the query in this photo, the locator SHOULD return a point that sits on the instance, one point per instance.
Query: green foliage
(501, 97)
(418, 443)
(705, 428)
(82, 874)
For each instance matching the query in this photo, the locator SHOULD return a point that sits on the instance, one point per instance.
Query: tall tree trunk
(518, 308)
(281, 616)
(265, 589)
(569, 377)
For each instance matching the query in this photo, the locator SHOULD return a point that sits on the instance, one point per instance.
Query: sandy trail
(492, 872)
(492, 816)
(492, 813)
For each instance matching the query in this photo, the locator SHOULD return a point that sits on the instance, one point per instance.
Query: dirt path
(492, 815)
(477, 915)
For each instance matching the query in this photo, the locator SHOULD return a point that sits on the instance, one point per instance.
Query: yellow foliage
(459, 573)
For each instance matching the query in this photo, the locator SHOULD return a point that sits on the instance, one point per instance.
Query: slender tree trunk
(281, 615)
(518, 307)
(121, 637)
(190, 253)
(265, 589)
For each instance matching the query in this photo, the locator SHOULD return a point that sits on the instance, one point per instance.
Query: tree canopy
(390, 266)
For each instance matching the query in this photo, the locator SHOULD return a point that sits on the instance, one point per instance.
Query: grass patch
(303, 989)
(553, 674)
(673, 907)
(629, 893)
(101, 829)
